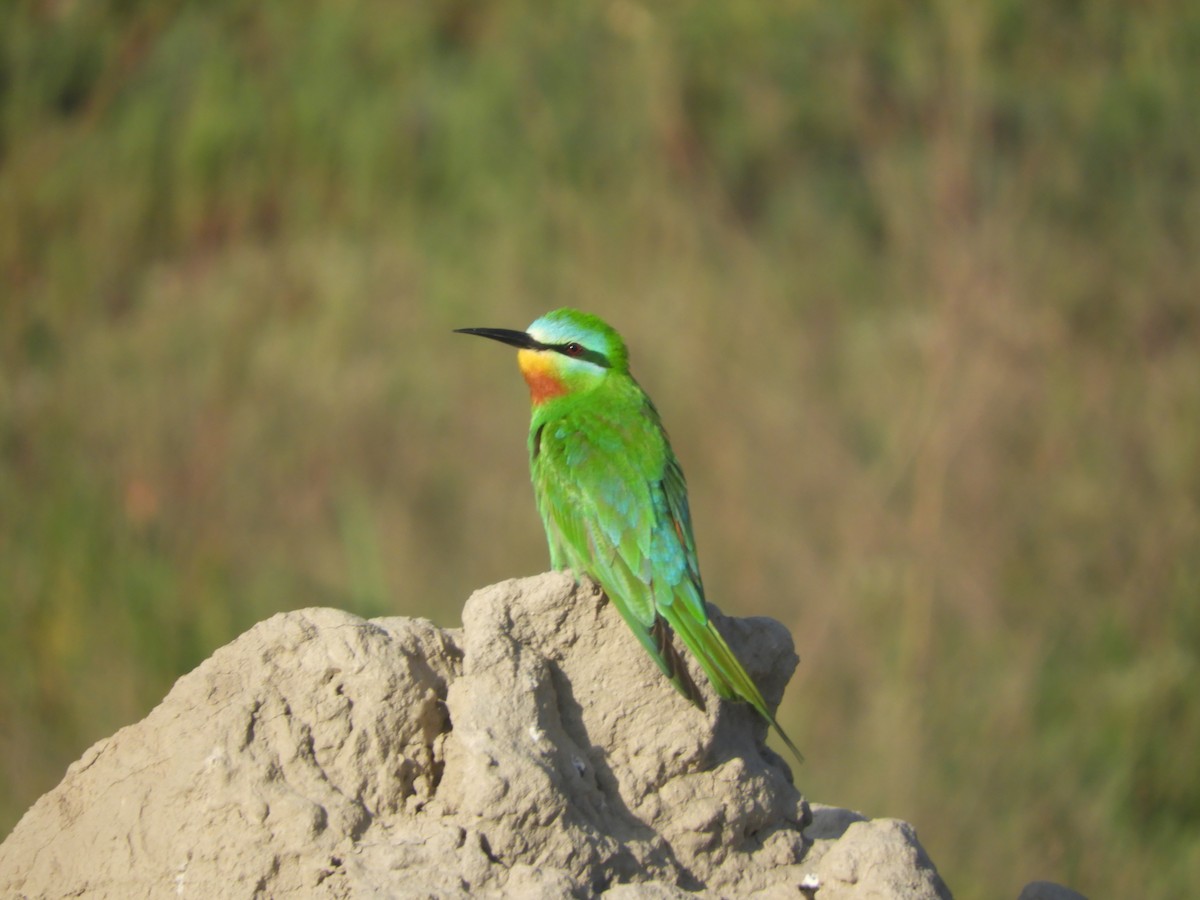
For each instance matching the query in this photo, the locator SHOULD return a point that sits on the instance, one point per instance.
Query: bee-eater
(612, 496)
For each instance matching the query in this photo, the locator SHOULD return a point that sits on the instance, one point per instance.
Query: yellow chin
(541, 374)
(533, 362)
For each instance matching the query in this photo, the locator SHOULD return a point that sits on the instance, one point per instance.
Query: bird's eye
(573, 349)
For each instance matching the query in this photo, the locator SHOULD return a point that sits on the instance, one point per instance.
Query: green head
(563, 352)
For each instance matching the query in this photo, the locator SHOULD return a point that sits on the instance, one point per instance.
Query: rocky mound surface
(535, 752)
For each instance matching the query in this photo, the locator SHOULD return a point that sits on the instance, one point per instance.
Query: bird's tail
(723, 669)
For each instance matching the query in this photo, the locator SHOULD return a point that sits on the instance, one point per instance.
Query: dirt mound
(536, 752)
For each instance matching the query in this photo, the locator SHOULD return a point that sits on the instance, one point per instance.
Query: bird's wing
(600, 487)
(675, 539)
(595, 497)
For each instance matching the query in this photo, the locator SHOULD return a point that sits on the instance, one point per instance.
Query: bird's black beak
(504, 336)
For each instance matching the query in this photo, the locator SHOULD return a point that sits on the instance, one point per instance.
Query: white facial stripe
(553, 336)
(539, 335)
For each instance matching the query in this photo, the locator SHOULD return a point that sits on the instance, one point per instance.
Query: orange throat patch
(539, 371)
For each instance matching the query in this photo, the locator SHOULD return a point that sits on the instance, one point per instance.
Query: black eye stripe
(576, 350)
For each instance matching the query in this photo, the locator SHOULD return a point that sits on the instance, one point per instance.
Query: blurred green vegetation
(915, 286)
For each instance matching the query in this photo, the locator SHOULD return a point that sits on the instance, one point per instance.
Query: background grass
(916, 288)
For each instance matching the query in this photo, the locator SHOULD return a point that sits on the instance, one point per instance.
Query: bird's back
(600, 470)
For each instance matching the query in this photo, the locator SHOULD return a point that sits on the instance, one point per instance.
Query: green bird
(613, 499)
